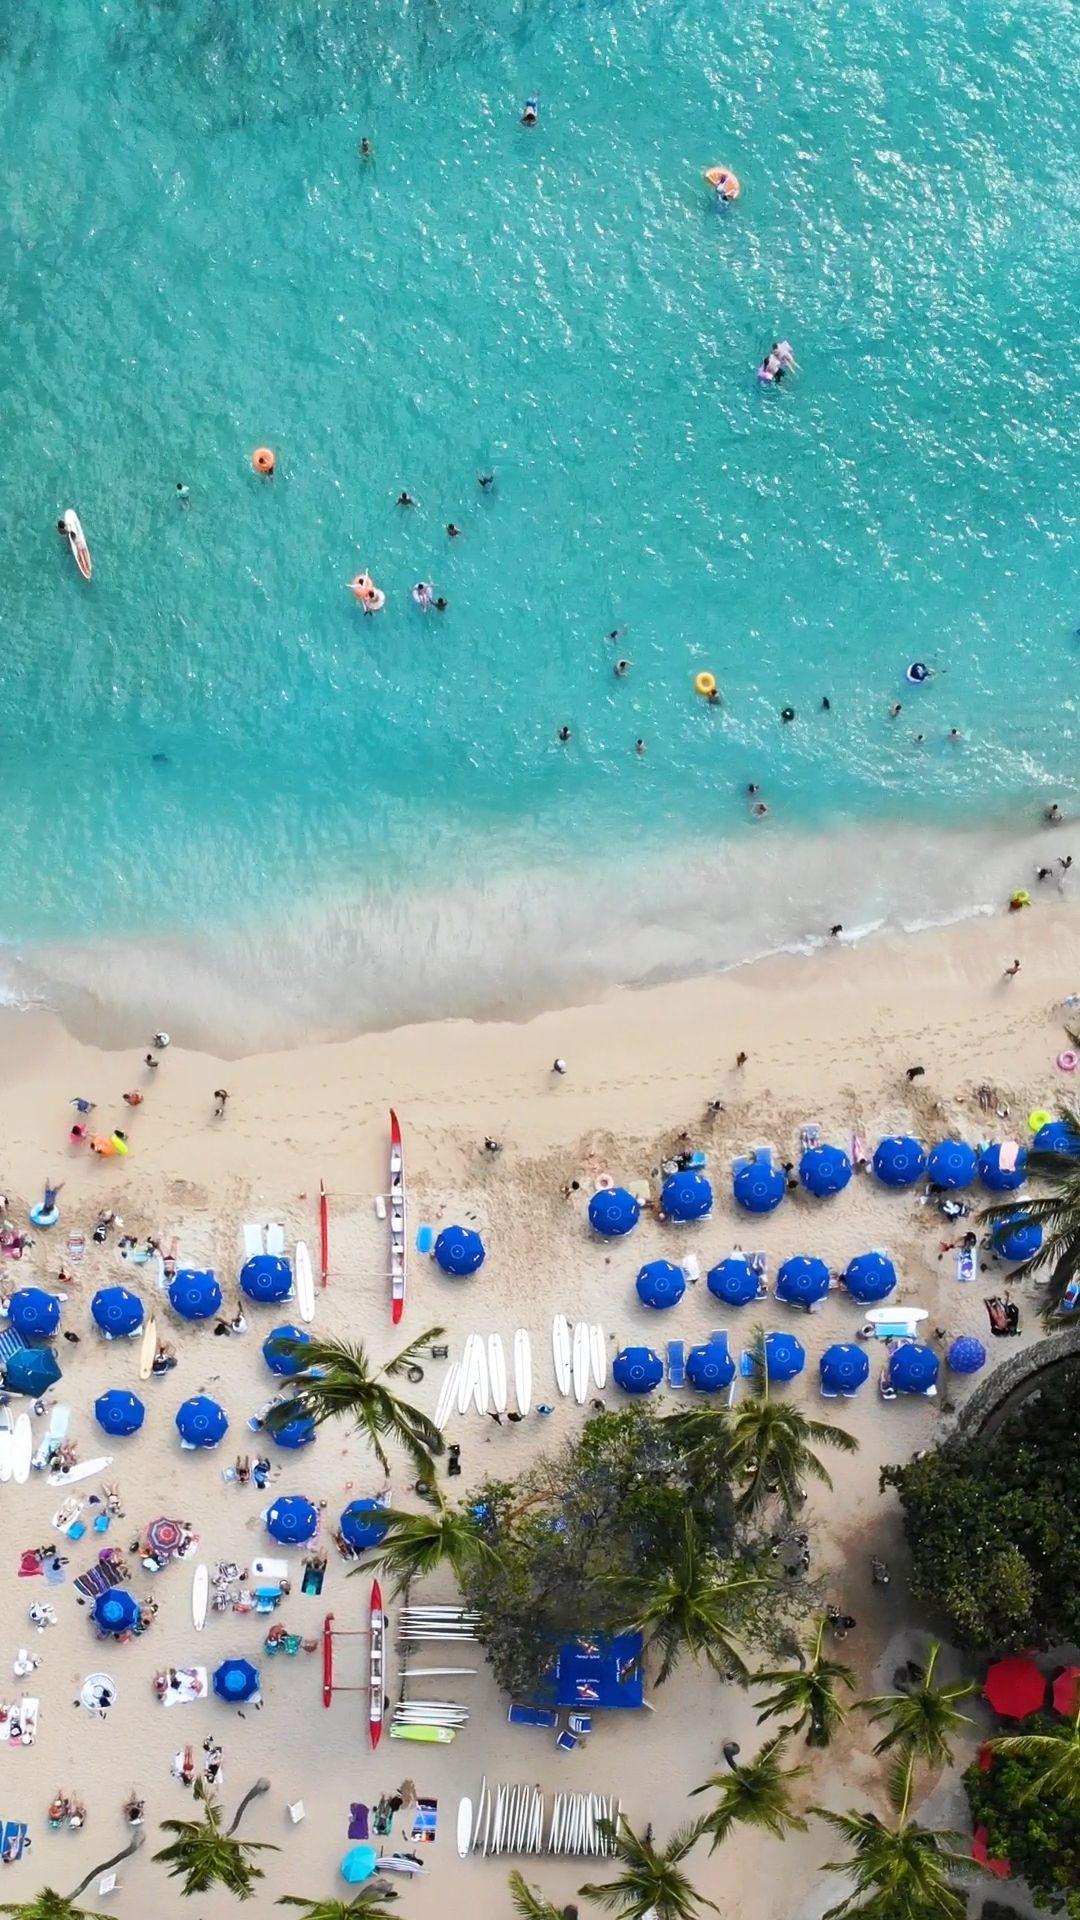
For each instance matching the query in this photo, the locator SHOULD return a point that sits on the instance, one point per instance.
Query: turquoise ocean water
(351, 819)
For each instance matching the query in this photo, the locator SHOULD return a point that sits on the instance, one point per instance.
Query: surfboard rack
(330, 1633)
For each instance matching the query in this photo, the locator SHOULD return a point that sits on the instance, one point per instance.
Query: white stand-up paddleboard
(200, 1594)
(448, 1395)
(467, 1378)
(305, 1285)
(560, 1351)
(480, 1379)
(148, 1349)
(496, 1360)
(464, 1827)
(7, 1443)
(76, 538)
(22, 1450)
(522, 1370)
(582, 1360)
(598, 1352)
(83, 1470)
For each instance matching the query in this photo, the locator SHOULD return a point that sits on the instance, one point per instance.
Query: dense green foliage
(994, 1529)
(1037, 1832)
(633, 1523)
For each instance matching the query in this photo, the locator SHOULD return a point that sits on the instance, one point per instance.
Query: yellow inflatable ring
(1040, 1118)
(704, 683)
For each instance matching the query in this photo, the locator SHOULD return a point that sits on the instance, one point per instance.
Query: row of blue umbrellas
(912, 1368)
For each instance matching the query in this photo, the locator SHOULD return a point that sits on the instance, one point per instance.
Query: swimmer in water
(182, 492)
(895, 710)
(714, 697)
(530, 113)
(787, 714)
(405, 500)
(1053, 815)
(826, 703)
(367, 151)
(440, 605)
(622, 668)
(777, 362)
(452, 532)
(639, 746)
(564, 734)
(423, 594)
(485, 481)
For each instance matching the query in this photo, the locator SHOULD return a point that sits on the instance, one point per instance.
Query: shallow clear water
(199, 262)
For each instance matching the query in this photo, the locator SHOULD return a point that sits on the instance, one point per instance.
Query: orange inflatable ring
(263, 460)
(725, 182)
(363, 586)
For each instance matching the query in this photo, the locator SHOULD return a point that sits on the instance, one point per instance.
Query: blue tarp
(266, 1278)
(869, 1277)
(201, 1422)
(899, 1161)
(824, 1170)
(660, 1284)
(802, 1281)
(758, 1185)
(733, 1281)
(912, 1368)
(966, 1354)
(194, 1295)
(613, 1211)
(710, 1367)
(459, 1251)
(34, 1313)
(1017, 1238)
(360, 1526)
(115, 1611)
(686, 1196)
(33, 1370)
(951, 1164)
(119, 1412)
(277, 1361)
(637, 1369)
(602, 1671)
(292, 1520)
(844, 1368)
(784, 1356)
(236, 1681)
(999, 1179)
(116, 1311)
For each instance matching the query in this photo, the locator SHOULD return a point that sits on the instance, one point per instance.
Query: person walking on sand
(741, 1059)
(220, 1098)
(161, 1041)
(1011, 972)
(134, 1098)
(558, 1066)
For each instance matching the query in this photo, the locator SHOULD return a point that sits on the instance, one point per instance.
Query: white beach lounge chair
(275, 1238)
(252, 1236)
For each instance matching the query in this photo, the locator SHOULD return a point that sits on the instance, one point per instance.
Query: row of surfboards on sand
(480, 1381)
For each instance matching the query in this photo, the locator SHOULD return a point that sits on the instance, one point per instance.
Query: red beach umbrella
(1063, 1693)
(1015, 1687)
(1001, 1869)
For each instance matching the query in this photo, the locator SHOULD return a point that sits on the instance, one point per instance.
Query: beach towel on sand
(358, 1824)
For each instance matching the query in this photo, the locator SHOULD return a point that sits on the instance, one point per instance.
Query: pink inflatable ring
(1068, 1061)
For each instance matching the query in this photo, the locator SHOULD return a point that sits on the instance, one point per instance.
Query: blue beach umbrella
(802, 1282)
(843, 1368)
(613, 1211)
(912, 1368)
(951, 1164)
(292, 1520)
(870, 1277)
(115, 1611)
(34, 1313)
(1056, 1137)
(999, 1179)
(266, 1278)
(284, 1363)
(824, 1170)
(194, 1295)
(296, 1433)
(758, 1185)
(1017, 1238)
(117, 1312)
(358, 1864)
(899, 1161)
(119, 1412)
(459, 1251)
(710, 1367)
(360, 1529)
(966, 1355)
(660, 1284)
(236, 1681)
(32, 1370)
(733, 1281)
(637, 1369)
(686, 1196)
(784, 1356)
(200, 1422)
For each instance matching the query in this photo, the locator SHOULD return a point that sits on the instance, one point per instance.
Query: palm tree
(1057, 1754)
(922, 1721)
(809, 1692)
(417, 1543)
(337, 1380)
(758, 1793)
(771, 1444)
(900, 1872)
(1057, 1212)
(48, 1905)
(531, 1906)
(686, 1604)
(651, 1880)
(204, 1854)
(371, 1900)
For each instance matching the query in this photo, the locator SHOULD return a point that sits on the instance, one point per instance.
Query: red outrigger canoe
(398, 1221)
(376, 1671)
(324, 1232)
(328, 1660)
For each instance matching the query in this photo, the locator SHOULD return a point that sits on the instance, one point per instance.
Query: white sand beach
(828, 1040)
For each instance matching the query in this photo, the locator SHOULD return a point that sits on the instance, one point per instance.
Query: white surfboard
(448, 1394)
(7, 1443)
(522, 1370)
(496, 1360)
(305, 1285)
(82, 1470)
(478, 1819)
(480, 1379)
(22, 1450)
(467, 1379)
(464, 1827)
(148, 1348)
(598, 1354)
(560, 1351)
(200, 1594)
(582, 1360)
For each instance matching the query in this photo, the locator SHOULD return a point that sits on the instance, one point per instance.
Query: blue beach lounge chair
(532, 1716)
(676, 1364)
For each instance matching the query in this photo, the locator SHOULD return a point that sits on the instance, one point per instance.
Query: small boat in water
(70, 526)
(398, 1223)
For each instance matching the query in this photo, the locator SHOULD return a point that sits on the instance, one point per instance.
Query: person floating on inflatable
(371, 598)
(46, 1213)
(530, 112)
(779, 360)
(918, 672)
(725, 183)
